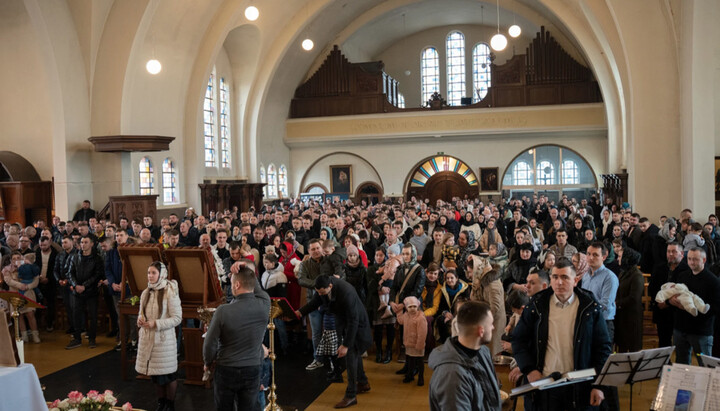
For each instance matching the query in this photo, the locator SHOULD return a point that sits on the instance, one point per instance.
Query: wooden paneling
(219, 196)
(25, 202)
(132, 207)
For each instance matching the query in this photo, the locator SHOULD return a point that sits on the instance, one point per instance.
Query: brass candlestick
(18, 304)
(275, 312)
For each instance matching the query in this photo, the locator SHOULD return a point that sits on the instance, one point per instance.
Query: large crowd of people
(464, 280)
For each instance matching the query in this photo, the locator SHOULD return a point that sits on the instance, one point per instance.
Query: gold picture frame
(341, 178)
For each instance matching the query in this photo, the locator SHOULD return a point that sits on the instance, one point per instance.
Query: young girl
(328, 346)
(274, 282)
(450, 251)
(11, 277)
(160, 312)
(388, 275)
(415, 333)
(379, 321)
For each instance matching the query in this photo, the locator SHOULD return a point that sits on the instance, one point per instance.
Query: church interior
(155, 106)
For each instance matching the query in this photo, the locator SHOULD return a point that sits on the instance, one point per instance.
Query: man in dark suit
(353, 330)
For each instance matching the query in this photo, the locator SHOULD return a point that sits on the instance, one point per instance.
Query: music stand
(708, 361)
(629, 368)
(18, 301)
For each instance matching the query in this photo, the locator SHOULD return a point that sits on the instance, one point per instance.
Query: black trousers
(236, 388)
(355, 371)
(81, 303)
(49, 292)
(665, 333)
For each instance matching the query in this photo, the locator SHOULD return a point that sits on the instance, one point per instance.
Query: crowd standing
(465, 280)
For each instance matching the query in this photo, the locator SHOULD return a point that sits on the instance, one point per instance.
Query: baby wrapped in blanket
(690, 302)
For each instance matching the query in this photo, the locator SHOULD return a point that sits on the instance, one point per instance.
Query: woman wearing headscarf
(409, 281)
(160, 312)
(666, 235)
(469, 224)
(580, 263)
(517, 271)
(355, 272)
(629, 316)
(467, 246)
(487, 287)
(452, 290)
(491, 235)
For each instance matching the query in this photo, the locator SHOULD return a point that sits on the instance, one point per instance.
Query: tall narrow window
(169, 181)
(401, 100)
(570, 172)
(263, 179)
(455, 67)
(209, 123)
(147, 179)
(481, 71)
(522, 174)
(272, 181)
(282, 180)
(429, 73)
(545, 173)
(224, 124)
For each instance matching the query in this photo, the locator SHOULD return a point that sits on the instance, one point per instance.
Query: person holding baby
(694, 332)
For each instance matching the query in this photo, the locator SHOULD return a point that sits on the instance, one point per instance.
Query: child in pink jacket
(415, 333)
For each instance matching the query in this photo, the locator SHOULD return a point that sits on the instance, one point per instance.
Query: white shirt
(561, 326)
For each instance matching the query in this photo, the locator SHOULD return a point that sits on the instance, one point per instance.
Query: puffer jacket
(157, 347)
(592, 345)
(488, 288)
(415, 331)
(460, 382)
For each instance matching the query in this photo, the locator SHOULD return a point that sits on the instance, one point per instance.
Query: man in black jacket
(543, 343)
(666, 272)
(61, 272)
(86, 272)
(85, 213)
(45, 256)
(353, 330)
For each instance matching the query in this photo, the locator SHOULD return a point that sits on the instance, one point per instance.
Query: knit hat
(395, 249)
(351, 249)
(408, 301)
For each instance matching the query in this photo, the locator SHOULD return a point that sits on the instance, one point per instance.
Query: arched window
(481, 71)
(147, 178)
(401, 100)
(169, 180)
(570, 172)
(545, 173)
(272, 181)
(282, 180)
(429, 73)
(455, 67)
(522, 174)
(209, 122)
(263, 179)
(224, 124)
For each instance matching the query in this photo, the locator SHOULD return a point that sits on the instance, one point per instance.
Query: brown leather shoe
(363, 388)
(346, 402)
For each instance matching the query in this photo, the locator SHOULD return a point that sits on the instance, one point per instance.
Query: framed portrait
(341, 178)
(489, 178)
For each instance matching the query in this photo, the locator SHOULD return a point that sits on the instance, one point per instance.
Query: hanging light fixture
(498, 42)
(252, 13)
(308, 44)
(153, 66)
(514, 31)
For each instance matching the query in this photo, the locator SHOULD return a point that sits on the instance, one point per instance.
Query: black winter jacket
(86, 271)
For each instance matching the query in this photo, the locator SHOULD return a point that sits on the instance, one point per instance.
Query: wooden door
(446, 185)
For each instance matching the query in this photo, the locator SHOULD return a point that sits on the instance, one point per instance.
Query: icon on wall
(341, 179)
(489, 178)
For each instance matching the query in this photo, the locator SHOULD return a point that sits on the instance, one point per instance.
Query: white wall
(362, 172)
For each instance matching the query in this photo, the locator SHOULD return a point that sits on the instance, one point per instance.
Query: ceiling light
(153, 66)
(498, 42)
(252, 13)
(514, 31)
(308, 44)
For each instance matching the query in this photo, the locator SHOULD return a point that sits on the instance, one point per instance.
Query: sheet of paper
(712, 402)
(683, 377)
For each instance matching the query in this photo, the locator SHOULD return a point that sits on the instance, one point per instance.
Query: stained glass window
(282, 180)
(147, 178)
(545, 173)
(429, 73)
(224, 124)
(439, 164)
(263, 179)
(272, 181)
(169, 181)
(570, 172)
(522, 174)
(481, 71)
(455, 67)
(209, 123)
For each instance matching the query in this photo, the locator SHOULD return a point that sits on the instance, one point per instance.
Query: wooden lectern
(194, 270)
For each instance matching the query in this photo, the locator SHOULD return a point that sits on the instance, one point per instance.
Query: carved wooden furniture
(132, 207)
(26, 201)
(127, 143)
(340, 87)
(615, 187)
(219, 196)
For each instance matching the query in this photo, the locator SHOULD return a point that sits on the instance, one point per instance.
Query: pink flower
(75, 397)
(92, 394)
(108, 392)
(127, 407)
(55, 404)
(100, 398)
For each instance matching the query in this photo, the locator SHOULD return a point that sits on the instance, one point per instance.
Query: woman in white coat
(160, 312)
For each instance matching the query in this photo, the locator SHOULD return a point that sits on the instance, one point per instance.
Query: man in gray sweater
(234, 342)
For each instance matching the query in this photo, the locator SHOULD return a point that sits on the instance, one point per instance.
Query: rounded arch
(432, 165)
(312, 165)
(508, 168)
(368, 190)
(14, 167)
(315, 185)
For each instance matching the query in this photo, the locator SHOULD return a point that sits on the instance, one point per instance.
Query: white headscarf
(162, 282)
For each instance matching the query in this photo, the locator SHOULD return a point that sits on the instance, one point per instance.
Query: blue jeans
(699, 344)
(236, 388)
(316, 320)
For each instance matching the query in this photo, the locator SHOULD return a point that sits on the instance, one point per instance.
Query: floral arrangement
(93, 401)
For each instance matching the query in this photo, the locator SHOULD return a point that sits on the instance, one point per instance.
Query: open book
(570, 377)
